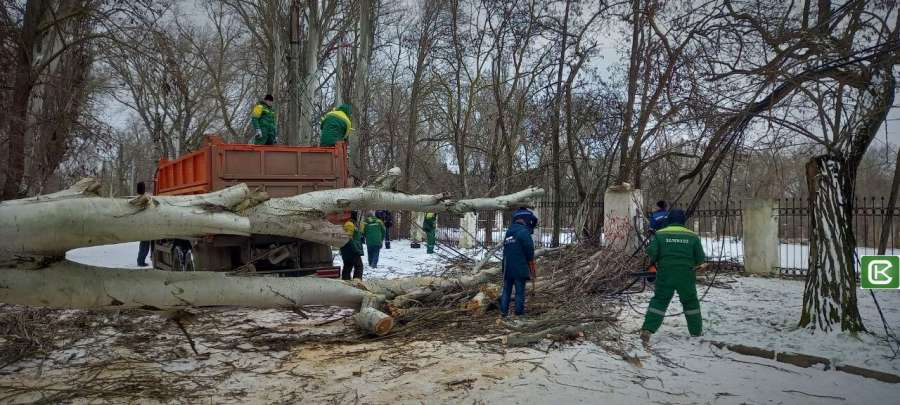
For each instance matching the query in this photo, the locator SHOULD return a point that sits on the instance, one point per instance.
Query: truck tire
(182, 258)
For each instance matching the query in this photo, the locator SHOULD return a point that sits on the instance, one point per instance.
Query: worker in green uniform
(373, 230)
(677, 253)
(352, 251)
(335, 126)
(429, 226)
(262, 117)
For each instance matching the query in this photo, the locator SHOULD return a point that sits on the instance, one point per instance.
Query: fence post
(761, 255)
(417, 234)
(468, 226)
(621, 217)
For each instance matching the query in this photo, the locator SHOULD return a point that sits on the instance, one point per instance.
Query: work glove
(532, 269)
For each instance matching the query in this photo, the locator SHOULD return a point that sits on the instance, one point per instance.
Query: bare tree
(833, 63)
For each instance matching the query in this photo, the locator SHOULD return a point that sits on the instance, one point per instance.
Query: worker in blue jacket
(518, 259)
(658, 219)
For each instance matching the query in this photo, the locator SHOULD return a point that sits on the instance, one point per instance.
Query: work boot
(645, 337)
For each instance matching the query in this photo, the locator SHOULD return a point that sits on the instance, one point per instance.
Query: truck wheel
(182, 258)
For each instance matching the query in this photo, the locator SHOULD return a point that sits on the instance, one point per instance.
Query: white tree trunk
(71, 285)
(830, 295)
(53, 224)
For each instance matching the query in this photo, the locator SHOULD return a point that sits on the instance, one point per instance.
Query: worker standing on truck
(352, 251)
(335, 126)
(388, 219)
(677, 253)
(429, 226)
(518, 259)
(374, 231)
(144, 245)
(262, 117)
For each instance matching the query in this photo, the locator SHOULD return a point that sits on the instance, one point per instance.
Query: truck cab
(278, 170)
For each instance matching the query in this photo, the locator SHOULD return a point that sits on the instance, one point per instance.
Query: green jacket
(262, 117)
(676, 248)
(428, 223)
(353, 247)
(374, 230)
(335, 126)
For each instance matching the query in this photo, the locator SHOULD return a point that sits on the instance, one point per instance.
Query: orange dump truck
(280, 171)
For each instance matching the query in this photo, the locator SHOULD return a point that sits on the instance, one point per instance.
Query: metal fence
(491, 225)
(720, 225)
(794, 228)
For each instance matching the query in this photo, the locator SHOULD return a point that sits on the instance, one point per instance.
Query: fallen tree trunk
(53, 224)
(48, 226)
(77, 217)
(71, 285)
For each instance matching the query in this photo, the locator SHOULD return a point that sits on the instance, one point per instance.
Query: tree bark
(292, 132)
(830, 295)
(557, 122)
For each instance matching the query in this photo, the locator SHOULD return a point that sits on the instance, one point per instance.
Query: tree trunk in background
(625, 168)
(59, 98)
(15, 121)
(309, 72)
(422, 51)
(830, 294)
(292, 133)
(557, 122)
(360, 87)
(16, 124)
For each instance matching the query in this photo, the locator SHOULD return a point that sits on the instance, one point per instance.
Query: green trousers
(267, 137)
(430, 240)
(668, 281)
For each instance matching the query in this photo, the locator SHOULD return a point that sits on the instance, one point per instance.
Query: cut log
(374, 321)
(480, 303)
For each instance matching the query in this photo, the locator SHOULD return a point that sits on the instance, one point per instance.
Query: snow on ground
(763, 312)
(404, 260)
(121, 255)
(760, 312)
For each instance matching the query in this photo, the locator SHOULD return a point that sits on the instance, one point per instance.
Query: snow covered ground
(403, 260)
(760, 312)
(122, 255)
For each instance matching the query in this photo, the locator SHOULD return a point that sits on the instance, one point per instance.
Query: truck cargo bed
(278, 170)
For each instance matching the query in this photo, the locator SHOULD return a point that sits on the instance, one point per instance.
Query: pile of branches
(575, 296)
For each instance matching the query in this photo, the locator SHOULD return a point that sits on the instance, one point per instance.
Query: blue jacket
(518, 250)
(658, 219)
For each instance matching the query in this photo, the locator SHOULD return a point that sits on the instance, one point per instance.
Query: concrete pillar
(468, 226)
(760, 221)
(418, 235)
(622, 218)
